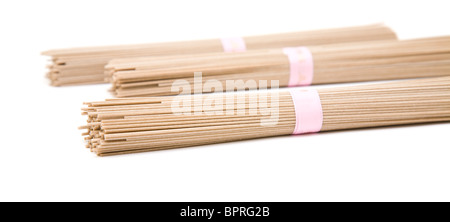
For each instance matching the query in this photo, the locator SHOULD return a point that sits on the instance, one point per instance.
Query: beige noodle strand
(351, 62)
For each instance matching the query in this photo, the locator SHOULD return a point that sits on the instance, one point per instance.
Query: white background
(42, 157)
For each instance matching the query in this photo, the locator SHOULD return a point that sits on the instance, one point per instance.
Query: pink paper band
(308, 111)
(301, 66)
(234, 44)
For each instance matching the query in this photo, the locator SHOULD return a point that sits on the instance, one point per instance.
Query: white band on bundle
(308, 111)
(233, 44)
(301, 66)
